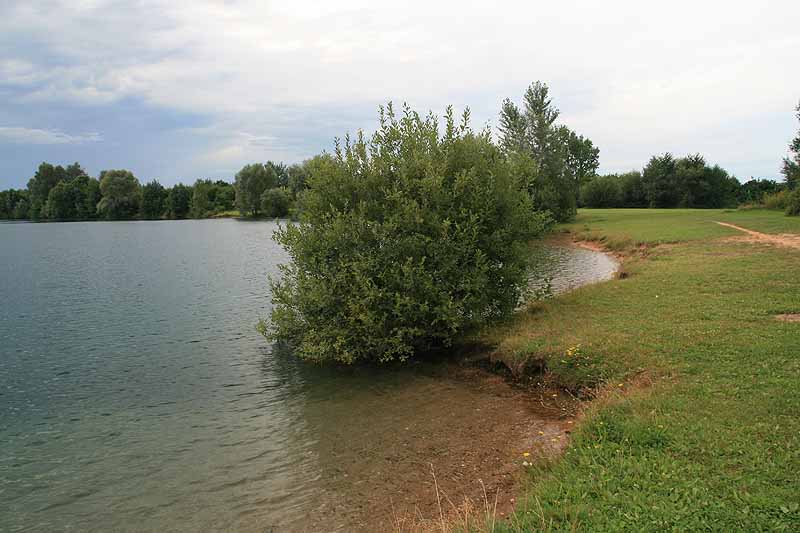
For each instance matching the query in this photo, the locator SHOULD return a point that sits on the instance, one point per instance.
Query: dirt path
(785, 239)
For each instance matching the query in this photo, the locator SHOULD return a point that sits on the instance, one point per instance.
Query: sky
(177, 90)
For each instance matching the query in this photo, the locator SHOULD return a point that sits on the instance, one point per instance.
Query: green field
(623, 228)
(701, 429)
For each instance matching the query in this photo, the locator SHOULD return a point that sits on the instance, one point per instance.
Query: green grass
(764, 220)
(712, 442)
(621, 229)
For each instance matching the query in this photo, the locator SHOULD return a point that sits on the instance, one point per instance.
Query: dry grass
(465, 517)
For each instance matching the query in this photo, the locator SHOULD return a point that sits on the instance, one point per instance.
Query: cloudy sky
(182, 89)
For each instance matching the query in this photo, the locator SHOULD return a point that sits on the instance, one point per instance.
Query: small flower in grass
(574, 350)
(526, 463)
(526, 454)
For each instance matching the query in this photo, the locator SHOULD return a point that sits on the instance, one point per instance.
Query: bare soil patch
(786, 240)
(788, 317)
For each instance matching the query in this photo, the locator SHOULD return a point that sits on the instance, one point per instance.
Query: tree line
(669, 182)
(58, 193)
(665, 182)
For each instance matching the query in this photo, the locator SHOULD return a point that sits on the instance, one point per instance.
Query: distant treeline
(667, 181)
(59, 193)
(689, 181)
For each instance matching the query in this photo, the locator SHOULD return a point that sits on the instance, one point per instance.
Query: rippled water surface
(565, 267)
(135, 393)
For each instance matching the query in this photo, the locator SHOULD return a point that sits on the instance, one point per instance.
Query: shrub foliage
(603, 191)
(793, 204)
(276, 202)
(406, 240)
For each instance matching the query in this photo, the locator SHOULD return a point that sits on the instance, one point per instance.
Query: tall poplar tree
(550, 158)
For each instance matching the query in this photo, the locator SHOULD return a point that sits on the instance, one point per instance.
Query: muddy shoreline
(476, 455)
(429, 462)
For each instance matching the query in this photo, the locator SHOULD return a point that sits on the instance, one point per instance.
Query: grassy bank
(698, 427)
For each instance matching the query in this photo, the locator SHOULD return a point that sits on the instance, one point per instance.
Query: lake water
(136, 394)
(565, 267)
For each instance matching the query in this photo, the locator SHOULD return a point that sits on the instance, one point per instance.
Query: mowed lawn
(699, 424)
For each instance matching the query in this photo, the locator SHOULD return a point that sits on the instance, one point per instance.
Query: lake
(136, 394)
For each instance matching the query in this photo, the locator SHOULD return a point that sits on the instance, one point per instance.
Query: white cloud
(18, 72)
(637, 78)
(37, 136)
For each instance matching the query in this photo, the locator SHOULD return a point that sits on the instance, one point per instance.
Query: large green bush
(405, 240)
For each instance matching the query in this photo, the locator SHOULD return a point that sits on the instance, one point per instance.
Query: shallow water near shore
(565, 266)
(136, 395)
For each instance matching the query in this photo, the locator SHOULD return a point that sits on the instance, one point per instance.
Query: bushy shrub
(275, 202)
(405, 240)
(793, 203)
(603, 191)
(777, 200)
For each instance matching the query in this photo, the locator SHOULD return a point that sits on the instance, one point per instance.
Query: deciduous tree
(153, 198)
(275, 202)
(251, 182)
(47, 176)
(120, 195)
(179, 201)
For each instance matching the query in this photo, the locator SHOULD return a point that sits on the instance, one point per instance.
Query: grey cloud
(37, 136)
(635, 77)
